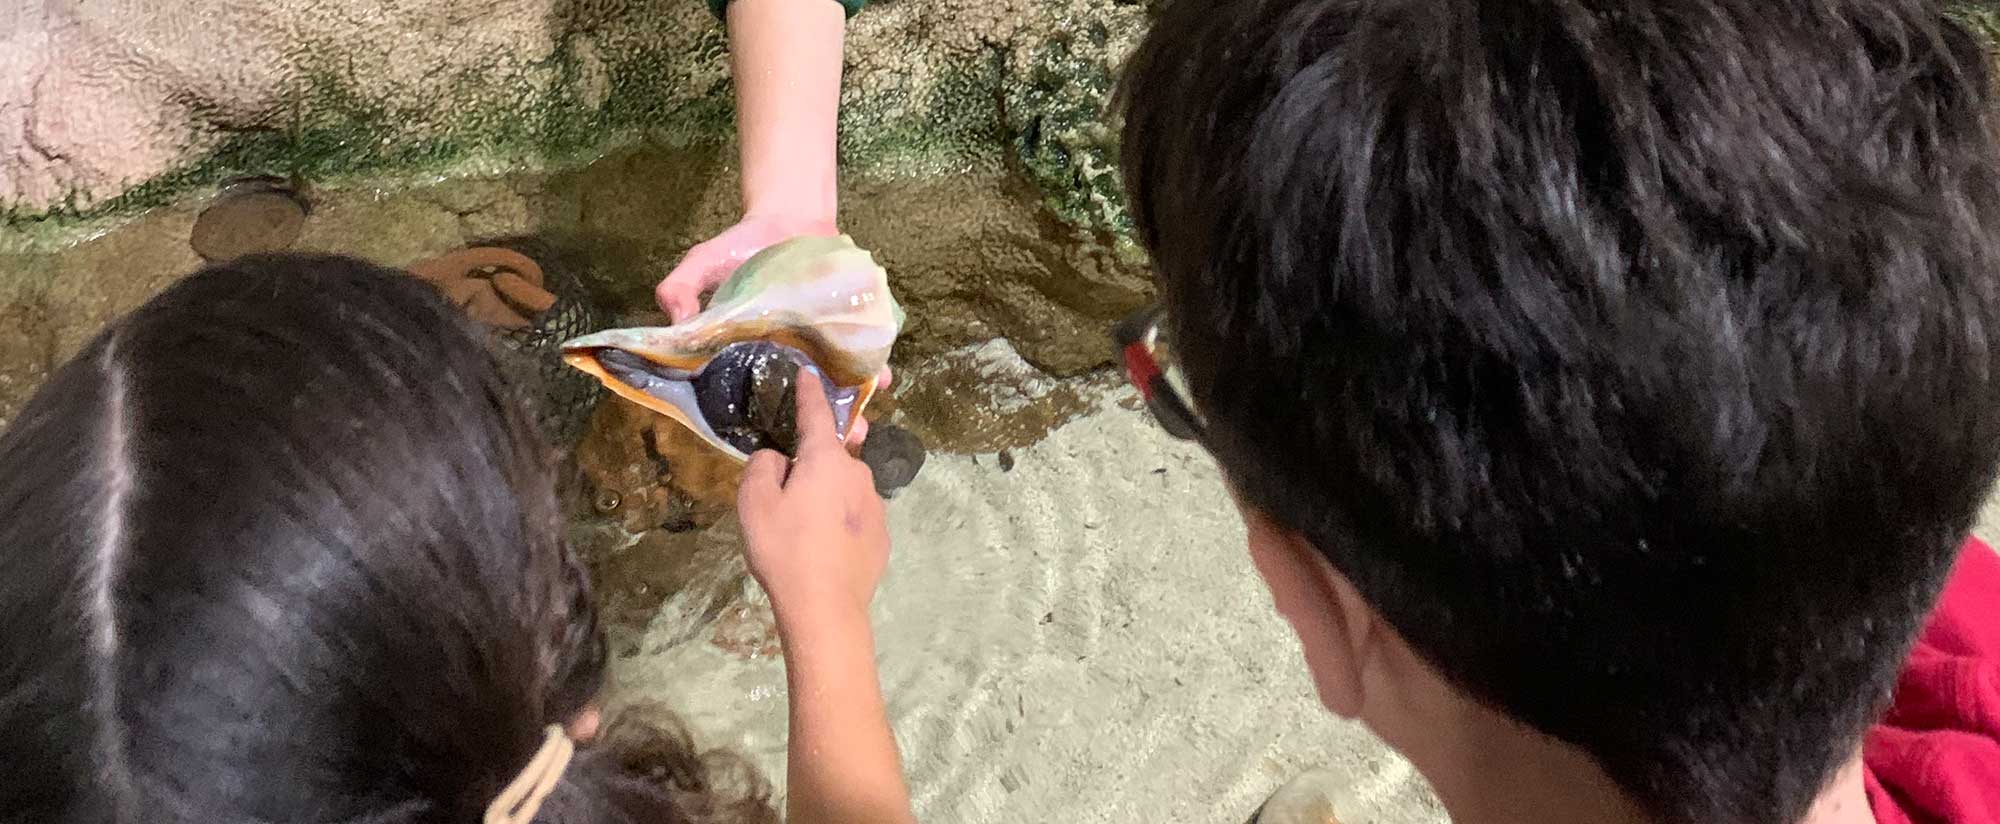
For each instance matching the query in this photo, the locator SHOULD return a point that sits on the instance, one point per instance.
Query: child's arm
(842, 760)
(785, 56)
(817, 539)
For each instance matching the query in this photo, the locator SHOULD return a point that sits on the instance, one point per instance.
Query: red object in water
(1935, 757)
(1140, 369)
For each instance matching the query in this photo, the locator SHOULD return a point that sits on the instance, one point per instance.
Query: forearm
(786, 59)
(843, 765)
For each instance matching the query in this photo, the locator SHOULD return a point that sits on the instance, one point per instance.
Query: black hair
(1634, 358)
(280, 545)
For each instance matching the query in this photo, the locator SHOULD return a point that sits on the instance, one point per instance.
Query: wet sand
(1068, 634)
(1079, 638)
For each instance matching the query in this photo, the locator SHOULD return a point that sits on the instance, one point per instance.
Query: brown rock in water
(986, 398)
(503, 286)
(621, 479)
(975, 257)
(706, 477)
(893, 455)
(637, 473)
(1308, 798)
(252, 217)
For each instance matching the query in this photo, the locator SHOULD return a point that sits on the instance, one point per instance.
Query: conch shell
(815, 303)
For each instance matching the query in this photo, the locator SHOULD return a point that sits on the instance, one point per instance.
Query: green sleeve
(721, 7)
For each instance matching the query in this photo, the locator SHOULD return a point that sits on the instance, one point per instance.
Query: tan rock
(1312, 797)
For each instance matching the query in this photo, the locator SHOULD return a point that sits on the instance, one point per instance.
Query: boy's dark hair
(1634, 358)
(281, 546)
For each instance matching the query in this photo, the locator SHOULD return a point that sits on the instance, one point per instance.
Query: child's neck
(1489, 769)
(1547, 791)
(1517, 776)
(1845, 801)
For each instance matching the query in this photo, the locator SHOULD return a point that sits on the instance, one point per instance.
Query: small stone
(893, 454)
(252, 217)
(1006, 461)
(607, 501)
(1308, 798)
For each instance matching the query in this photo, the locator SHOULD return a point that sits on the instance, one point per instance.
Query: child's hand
(815, 532)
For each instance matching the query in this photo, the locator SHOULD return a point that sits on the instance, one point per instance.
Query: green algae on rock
(988, 114)
(1056, 109)
(335, 103)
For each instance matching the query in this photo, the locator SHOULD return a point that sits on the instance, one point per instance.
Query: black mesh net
(561, 396)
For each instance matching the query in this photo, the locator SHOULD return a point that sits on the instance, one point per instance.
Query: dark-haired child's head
(281, 546)
(1630, 364)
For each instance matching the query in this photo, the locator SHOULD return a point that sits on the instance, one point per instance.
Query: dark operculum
(748, 393)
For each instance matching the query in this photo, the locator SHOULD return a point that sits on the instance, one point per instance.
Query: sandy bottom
(1069, 632)
(1079, 638)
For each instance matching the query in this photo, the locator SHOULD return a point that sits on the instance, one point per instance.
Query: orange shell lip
(585, 360)
(690, 416)
(690, 351)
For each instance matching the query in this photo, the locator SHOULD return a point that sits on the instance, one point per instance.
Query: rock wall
(115, 102)
(975, 151)
(978, 160)
(118, 103)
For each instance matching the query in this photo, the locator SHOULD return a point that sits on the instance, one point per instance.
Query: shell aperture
(728, 373)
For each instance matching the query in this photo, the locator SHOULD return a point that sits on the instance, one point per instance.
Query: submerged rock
(247, 218)
(893, 455)
(977, 160)
(645, 472)
(1311, 797)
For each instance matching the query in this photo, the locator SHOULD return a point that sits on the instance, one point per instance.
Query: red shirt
(1935, 757)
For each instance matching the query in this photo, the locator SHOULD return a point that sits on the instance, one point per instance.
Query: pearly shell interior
(814, 303)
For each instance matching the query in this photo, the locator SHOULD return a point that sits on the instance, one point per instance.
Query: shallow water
(1069, 630)
(1077, 638)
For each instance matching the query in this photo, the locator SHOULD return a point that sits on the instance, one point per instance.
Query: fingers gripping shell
(813, 303)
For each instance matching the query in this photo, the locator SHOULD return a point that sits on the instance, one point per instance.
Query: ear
(583, 727)
(1336, 628)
